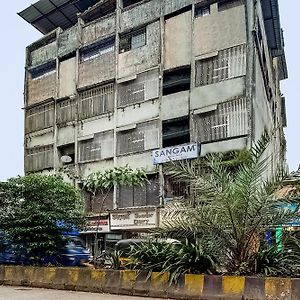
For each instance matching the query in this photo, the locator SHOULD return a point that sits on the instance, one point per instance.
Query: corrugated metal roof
(47, 15)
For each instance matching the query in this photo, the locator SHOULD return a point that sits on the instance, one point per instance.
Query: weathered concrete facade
(149, 75)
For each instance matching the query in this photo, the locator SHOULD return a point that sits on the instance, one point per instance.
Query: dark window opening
(127, 3)
(132, 40)
(67, 154)
(174, 188)
(227, 4)
(202, 11)
(178, 12)
(43, 70)
(97, 49)
(176, 132)
(177, 81)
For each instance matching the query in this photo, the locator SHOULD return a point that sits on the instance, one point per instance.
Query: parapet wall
(131, 283)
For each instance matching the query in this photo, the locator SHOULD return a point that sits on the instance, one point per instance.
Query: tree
(230, 203)
(31, 208)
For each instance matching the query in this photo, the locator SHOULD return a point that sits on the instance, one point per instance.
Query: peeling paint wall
(41, 88)
(178, 40)
(97, 70)
(65, 135)
(68, 41)
(43, 54)
(143, 58)
(98, 29)
(46, 138)
(67, 78)
(219, 30)
(93, 126)
(174, 5)
(141, 14)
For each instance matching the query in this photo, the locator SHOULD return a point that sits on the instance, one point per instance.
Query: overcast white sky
(17, 34)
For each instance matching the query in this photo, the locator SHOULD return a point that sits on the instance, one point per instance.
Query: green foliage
(229, 206)
(104, 181)
(177, 258)
(30, 208)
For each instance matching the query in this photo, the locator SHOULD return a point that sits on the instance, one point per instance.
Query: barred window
(143, 137)
(96, 101)
(96, 203)
(174, 188)
(39, 117)
(43, 70)
(133, 40)
(97, 49)
(146, 195)
(229, 63)
(202, 11)
(97, 148)
(227, 4)
(144, 87)
(39, 158)
(66, 111)
(230, 119)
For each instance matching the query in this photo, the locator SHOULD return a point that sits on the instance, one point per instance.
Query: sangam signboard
(134, 219)
(180, 152)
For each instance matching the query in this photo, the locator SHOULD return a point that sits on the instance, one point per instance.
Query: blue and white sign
(179, 152)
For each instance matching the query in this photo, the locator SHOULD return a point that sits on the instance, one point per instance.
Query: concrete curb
(126, 282)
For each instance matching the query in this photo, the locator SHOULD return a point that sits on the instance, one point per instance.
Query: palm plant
(230, 204)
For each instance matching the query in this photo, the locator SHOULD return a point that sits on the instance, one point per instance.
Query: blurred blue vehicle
(73, 253)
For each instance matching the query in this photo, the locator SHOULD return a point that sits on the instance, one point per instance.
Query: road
(24, 293)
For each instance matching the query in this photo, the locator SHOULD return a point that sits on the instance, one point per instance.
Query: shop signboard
(134, 219)
(96, 225)
(188, 151)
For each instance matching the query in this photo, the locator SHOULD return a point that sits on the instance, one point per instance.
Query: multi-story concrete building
(113, 82)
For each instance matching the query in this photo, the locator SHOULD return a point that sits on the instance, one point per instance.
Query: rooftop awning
(47, 15)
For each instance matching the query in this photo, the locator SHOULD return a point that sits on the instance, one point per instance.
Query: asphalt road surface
(24, 293)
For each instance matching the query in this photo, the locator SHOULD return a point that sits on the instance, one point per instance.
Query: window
(43, 70)
(97, 49)
(130, 2)
(174, 188)
(66, 111)
(39, 158)
(176, 132)
(146, 195)
(143, 137)
(97, 203)
(39, 117)
(201, 11)
(229, 120)
(97, 148)
(227, 4)
(96, 101)
(132, 40)
(177, 80)
(229, 63)
(68, 151)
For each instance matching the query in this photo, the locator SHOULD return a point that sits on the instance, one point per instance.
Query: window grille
(95, 50)
(97, 148)
(39, 117)
(146, 195)
(143, 137)
(201, 11)
(96, 101)
(230, 119)
(229, 4)
(66, 111)
(133, 40)
(175, 189)
(43, 70)
(229, 63)
(39, 158)
(94, 203)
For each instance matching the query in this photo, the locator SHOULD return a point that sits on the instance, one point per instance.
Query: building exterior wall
(116, 83)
